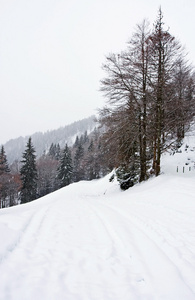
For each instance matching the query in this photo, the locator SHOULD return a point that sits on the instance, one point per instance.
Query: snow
(91, 241)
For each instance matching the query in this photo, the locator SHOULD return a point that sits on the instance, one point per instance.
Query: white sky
(51, 53)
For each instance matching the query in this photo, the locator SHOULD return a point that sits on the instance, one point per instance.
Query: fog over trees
(43, 141)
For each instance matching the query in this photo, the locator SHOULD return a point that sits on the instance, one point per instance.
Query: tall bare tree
(164, 55)
(143, 107)
(127, 90)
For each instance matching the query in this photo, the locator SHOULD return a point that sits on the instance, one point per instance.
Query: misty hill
(42, 141)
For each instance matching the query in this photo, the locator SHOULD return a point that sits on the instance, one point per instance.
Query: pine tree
(58, 150)
(65, 168)
(76, 143)
(54, 151)
(4, 168)
(28, 174)
(5, 178)
(78, 164)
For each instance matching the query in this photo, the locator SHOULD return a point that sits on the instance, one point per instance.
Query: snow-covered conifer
(28, 174)
(65, 168)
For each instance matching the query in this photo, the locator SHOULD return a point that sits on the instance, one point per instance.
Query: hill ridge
(43, 140)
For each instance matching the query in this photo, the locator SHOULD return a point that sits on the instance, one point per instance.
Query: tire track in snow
(113, 270)
(33, 217)
(35, 259)
(173, 240)
(124, 253)
(147, 243)
(10, 249)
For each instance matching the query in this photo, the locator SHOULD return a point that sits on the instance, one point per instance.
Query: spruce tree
(5, 178)
(65, 168)
(28, 174)
(79, 171)
(54, 151)
(4, 168)
(58, 150)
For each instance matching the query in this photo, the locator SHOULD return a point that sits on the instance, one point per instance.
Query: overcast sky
(51, 53)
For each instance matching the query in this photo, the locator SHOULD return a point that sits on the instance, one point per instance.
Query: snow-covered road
(90, 241)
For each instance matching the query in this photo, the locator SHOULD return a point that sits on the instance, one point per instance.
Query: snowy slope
(90, 241)
(43, 140)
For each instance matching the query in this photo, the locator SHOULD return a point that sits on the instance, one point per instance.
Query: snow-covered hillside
(91, 241)
(42, 141)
